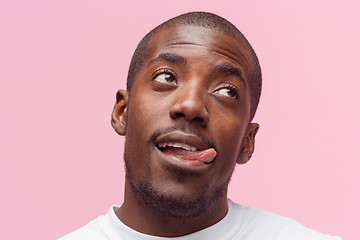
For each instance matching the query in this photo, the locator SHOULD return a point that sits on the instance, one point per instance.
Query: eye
(227, 91)
(165, 76)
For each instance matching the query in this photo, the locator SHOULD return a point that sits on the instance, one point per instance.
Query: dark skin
(197, 78)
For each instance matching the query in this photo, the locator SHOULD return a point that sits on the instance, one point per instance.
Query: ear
(118, 117)
(248, 145)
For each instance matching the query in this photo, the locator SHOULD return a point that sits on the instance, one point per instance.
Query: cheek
(230, 131)
(230, 125)
(146, 114)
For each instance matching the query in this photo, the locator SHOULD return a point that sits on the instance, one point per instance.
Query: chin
(175, 205)
(173, 202)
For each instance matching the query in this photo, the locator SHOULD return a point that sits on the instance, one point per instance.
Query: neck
(137, 215)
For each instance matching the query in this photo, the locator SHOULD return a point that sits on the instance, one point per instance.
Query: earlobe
(118, 117)
(248, 146)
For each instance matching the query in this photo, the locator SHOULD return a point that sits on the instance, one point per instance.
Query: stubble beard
(169, 205)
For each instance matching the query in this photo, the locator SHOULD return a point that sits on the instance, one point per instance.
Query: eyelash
(232, 88)
(162, 71)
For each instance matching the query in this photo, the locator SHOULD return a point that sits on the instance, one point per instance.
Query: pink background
(61, 63)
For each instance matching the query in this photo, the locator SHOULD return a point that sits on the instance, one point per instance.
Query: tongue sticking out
(205, 156)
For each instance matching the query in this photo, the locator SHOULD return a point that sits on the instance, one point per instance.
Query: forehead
(199, 40)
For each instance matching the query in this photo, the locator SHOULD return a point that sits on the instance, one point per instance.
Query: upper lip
(181, 137)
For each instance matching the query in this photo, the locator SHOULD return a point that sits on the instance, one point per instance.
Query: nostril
(198, 119)
(195, 119)
(179, 115)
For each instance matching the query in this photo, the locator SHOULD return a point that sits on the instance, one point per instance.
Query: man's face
(188, 118)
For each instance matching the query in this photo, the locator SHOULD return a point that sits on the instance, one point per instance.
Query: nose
(190, 105)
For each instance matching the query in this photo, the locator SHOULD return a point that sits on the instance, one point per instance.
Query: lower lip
(190, 165)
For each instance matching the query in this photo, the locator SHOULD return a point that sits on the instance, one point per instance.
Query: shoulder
(261, 224)
(91, 231)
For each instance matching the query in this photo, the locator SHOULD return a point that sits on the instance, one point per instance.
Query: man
(192, 91)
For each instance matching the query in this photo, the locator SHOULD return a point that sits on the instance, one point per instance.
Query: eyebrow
(228, 70)
(220, 68)
(169, 57)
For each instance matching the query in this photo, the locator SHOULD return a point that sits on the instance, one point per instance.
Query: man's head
(192, 82)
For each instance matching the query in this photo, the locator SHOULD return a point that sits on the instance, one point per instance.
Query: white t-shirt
(240, 223)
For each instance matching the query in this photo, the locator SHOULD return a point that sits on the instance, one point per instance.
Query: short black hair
(206, 20)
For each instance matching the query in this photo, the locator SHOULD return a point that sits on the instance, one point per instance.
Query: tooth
(186, 147)
(179, 145)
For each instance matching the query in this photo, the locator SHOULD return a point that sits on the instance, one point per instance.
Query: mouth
(185, 148)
